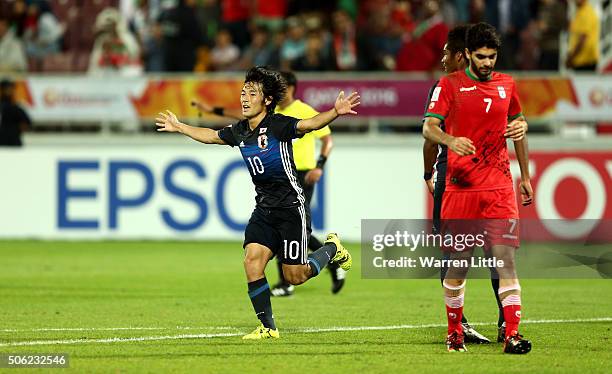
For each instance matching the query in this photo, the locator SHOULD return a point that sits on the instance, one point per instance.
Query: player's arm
(167, 122)
(517, 128)
(430, 151)
(432, 132)
(205, 107)
(522, 155)
(315, 174)
(343, 105)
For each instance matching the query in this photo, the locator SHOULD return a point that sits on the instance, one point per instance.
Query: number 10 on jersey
(256, 165)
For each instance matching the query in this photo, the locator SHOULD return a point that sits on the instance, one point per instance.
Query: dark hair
(482, 35)
(289, 78)
(456, 39)
(272, 84)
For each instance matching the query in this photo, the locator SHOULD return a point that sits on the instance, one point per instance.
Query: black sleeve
(227, 135)
(285, 128)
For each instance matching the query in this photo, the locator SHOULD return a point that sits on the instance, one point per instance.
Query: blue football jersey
(268, 154)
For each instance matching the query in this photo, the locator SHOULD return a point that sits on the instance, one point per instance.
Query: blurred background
(83, 80)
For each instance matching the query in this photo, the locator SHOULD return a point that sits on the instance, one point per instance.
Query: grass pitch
(182, 307)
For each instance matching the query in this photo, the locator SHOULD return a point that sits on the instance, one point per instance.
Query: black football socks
(259, 292)
(321, 257)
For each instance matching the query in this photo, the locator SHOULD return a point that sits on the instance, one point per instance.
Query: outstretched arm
(205, 107)
(343, 105)
(167, 122)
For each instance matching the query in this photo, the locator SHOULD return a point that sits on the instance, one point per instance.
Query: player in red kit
(481, 109)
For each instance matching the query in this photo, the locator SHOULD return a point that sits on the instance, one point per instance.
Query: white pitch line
(296, 331)
(42, 329)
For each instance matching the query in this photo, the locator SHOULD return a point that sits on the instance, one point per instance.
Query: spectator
(294, 44)
(149, 36)
(477, 11)
(278, 40)
(271, 13)
(423, 51)
(13, 119)
(13, 57)
(551, 21)
(224, 54)
(259, 52)
(344, 41)
(182, 36)
(235, 15)
(509, 17)
(462, 8)
(583, 52)
(314, 58)
(381, 40)
(115, 48)
(19, 14)
(208, 14)
(43, 32)
(401, 15)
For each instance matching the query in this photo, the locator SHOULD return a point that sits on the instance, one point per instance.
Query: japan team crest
(502, 92)
(262, 141)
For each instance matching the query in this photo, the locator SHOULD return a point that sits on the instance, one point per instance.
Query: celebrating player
(476, 105)
(434, 155)
(309, 169)
(280, 223)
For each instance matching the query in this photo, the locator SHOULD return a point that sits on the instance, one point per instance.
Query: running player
(280, 223)
(476, 105)
(309, 168)
(434, 158)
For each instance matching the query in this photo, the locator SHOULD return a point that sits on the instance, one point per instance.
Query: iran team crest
(502, 92)
(262, 141)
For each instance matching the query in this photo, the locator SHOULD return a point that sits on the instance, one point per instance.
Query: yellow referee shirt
(304, 148)
(585, 22)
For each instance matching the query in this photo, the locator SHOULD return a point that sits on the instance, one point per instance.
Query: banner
(189, 191)
(100, 99)
(572, 196)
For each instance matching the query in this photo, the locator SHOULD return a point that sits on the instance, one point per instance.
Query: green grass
(165, 285)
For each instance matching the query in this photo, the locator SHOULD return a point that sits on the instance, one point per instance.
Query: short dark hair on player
(290, 78)
(456, 39)
(272, 84)
(482, 35)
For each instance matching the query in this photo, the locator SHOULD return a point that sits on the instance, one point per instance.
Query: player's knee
(253, 263)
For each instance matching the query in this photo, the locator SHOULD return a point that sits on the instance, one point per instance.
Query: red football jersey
(480, 111)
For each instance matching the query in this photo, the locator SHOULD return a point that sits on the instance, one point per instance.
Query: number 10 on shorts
(292, 249)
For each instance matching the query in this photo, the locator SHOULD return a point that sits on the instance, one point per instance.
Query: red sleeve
(515, 110)
(441, 100)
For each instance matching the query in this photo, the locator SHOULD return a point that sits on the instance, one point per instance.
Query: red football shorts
(493, 214)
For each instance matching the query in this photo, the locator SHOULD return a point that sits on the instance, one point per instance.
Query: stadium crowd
(228, 35)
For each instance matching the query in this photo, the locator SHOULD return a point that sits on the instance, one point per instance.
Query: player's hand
(167, 122)
(345, 105)
(526, 192)
(430, 185)
(313, 176)
(516, 130)
(462, 146)
(202, 106)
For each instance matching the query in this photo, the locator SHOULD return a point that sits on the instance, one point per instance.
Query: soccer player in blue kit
(280, 223)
